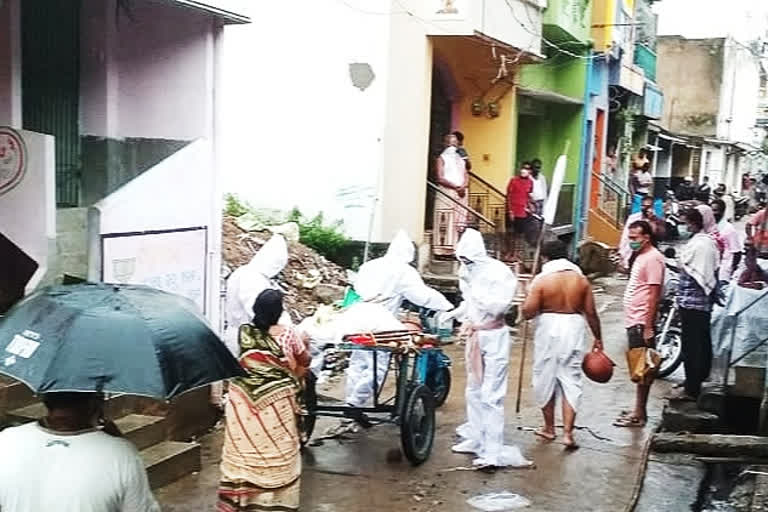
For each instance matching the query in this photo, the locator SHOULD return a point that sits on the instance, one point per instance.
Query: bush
(328, 240)
(234, 206)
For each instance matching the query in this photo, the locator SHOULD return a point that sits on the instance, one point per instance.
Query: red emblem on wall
(13, 159)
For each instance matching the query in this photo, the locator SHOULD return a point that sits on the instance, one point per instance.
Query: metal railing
(488, 200)
(613, 200)
(451, 217)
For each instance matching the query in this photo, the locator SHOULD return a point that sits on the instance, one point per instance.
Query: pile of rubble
(308, 278)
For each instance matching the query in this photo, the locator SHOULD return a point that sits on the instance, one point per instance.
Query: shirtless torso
(563, 292)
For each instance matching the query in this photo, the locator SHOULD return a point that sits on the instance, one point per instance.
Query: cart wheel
(417, 426)
(439, 382)
(306, 423)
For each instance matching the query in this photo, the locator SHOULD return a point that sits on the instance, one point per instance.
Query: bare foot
(547, 435)
(569, 442)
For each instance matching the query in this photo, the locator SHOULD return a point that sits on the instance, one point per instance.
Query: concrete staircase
(602, 228)
(166, 460)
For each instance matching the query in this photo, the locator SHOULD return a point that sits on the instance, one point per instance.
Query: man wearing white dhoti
(561, 297)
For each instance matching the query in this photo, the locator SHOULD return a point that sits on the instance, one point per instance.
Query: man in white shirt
(66, 463)
(539, 192)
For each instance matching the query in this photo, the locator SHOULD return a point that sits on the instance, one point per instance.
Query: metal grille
(51, 85)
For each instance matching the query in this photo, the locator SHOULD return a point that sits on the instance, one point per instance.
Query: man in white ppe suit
(387, 281)
(488, 287)
(247, 282)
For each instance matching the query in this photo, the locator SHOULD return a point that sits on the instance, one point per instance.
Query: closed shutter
(51, 84)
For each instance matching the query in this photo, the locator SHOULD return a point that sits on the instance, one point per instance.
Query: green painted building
(551, 99)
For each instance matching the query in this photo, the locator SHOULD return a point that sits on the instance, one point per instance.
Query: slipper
(544, 435)
(629, 422)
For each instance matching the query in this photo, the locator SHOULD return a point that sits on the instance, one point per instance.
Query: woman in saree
(261, 462)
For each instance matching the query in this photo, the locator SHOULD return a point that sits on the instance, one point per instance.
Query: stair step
(32, 412)
(168, 461)
(14, 394)
(142, 430)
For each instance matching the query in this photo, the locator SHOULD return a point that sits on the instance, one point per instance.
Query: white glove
(446, 316)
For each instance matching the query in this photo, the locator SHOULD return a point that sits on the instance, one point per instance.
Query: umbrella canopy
(111, 338)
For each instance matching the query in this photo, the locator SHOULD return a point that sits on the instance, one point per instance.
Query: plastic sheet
(743, 320)
(499, 502)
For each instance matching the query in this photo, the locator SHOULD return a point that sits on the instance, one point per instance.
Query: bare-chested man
(562, 298)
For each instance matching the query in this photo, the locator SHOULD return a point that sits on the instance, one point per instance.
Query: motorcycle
(672, 216)
(668, 324)
(740, 206)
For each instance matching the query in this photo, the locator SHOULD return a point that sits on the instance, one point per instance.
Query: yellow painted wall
(490, 142)
(602, 14)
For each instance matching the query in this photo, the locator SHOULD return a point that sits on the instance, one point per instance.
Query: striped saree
(261, 463)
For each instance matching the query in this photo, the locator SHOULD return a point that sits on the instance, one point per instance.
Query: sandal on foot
(629, 422)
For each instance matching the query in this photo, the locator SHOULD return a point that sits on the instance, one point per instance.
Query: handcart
(417, 363)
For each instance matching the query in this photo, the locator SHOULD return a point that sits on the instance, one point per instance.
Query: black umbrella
(111, 338)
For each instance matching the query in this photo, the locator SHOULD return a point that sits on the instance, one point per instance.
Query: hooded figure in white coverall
(488, 287)
(247, 282)
(387, 281)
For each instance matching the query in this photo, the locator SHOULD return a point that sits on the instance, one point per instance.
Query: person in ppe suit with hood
(387, 281)
(247, 282)
(488, 287)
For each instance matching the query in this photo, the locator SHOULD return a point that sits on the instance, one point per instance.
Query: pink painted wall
(147, 77)
(10, 81)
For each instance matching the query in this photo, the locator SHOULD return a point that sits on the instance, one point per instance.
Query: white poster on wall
(173, 261)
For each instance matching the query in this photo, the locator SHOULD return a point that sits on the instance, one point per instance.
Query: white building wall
(739, 94)
(165, 198)
(28, 211)
(513, 22)
(297, 132)
(713, 165)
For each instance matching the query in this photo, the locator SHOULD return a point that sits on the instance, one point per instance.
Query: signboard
(13, 159)
(173, 261)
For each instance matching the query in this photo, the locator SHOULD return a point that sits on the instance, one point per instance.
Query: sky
(744, 19)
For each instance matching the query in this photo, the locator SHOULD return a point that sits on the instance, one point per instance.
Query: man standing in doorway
(451, 201)
(561, 298)
(539, 193)
(519, 204)
(461, 150)
(641, 300)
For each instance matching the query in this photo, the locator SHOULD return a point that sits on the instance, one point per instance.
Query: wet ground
(355, 474)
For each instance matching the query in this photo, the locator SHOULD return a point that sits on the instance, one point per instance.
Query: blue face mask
(684, 232)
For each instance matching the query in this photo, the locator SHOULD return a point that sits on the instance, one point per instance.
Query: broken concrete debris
(308, 278)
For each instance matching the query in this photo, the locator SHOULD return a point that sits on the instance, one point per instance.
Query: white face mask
(524, 173)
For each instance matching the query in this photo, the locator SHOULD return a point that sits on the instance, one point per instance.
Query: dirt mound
(304, 264)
